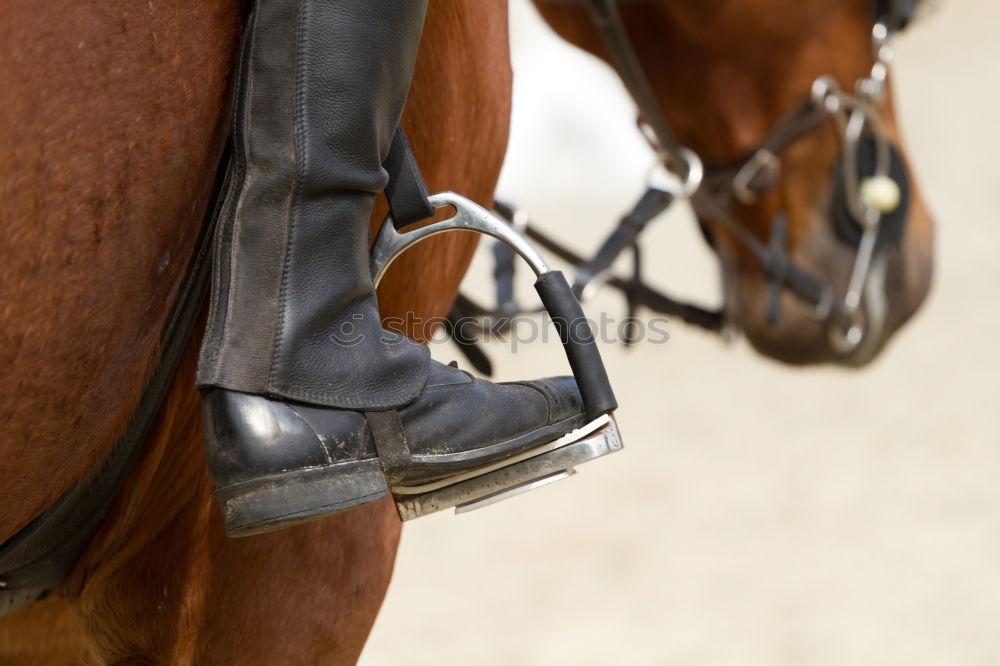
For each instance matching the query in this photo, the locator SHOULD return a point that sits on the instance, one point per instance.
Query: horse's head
(752, 87)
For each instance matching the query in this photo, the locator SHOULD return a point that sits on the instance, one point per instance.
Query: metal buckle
(760, 160)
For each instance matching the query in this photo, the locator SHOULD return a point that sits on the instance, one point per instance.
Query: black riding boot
(310, 406)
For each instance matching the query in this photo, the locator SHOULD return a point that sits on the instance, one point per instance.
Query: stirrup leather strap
(406, 190)
(390, 444)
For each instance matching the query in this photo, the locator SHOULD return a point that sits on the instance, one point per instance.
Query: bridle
(871, 181)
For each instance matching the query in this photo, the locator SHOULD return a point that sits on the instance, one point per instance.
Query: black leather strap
(390, 443)
(652, 202)
(897, 13)
(406, 190)
(800, 121)
(644, 295)
(454, 328)
(608, 22)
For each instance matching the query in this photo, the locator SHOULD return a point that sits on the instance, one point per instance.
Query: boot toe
(561, 394)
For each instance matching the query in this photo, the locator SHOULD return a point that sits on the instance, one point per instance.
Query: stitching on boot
(300, 165)
(239, 174)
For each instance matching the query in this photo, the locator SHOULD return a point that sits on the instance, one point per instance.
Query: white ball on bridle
(881, 193)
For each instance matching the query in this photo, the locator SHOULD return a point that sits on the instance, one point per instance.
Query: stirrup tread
(514, 476)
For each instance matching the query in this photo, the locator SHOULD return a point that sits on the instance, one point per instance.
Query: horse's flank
(114, 120)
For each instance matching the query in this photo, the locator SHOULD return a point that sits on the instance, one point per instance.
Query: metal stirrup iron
(549, 462)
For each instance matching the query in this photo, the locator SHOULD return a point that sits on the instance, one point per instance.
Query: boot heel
(283, 500)
(550, 462)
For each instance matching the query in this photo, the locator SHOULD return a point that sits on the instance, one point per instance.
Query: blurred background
(760, 514)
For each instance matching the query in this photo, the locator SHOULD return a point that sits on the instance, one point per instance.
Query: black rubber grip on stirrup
(578, 340)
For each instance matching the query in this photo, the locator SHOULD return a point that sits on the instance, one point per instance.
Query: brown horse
(114, 119)
(113, 124)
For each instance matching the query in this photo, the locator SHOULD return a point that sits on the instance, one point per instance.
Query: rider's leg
(310, 406)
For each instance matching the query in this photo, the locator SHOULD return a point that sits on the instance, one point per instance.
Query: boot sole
(284, 500)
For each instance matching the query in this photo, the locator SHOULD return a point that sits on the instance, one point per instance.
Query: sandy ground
(760, 515)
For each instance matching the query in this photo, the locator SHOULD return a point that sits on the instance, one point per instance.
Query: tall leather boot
(310, 406)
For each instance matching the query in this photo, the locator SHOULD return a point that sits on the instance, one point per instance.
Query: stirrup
(548, 462)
